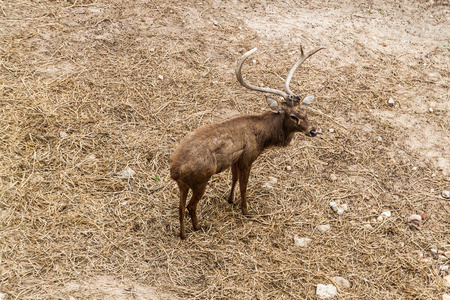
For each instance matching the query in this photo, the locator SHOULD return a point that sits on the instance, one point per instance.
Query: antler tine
(302, 58)
(250, 86)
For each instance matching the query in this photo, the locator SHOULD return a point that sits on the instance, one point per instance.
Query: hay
(89, 88)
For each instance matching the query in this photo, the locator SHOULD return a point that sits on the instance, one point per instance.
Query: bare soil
(89, 88)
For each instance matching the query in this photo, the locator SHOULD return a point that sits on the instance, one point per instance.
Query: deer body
(234, 143)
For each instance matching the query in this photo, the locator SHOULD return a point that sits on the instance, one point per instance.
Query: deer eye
(294, 118)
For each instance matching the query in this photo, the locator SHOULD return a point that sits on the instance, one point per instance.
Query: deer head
(291, 106)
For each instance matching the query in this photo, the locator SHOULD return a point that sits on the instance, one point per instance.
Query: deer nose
(313, 132)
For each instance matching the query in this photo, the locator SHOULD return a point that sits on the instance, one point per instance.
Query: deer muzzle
(313, 132)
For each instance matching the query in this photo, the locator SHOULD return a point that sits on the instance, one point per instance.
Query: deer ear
(308, 100)
(273, 104)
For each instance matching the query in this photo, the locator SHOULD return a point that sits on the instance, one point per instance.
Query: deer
(237, 143)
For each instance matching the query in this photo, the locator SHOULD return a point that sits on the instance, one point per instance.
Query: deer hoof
(183, 235)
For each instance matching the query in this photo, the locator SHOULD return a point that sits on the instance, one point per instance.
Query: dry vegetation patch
(90, 88)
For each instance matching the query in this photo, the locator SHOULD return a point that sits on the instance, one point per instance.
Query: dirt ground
(89, 89)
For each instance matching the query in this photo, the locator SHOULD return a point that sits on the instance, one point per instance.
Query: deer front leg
(234, 178)
(243, 180)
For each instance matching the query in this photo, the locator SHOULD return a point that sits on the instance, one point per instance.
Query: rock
(288, 168)
(63, 134)
(424, 216)
(339, 208)
(160, 77)
(430, 109)
(391, 101)
(380, 218)
(445, 194)
(2, 296)
(447, 281)
(426, 261)
(324, 228)
(128, 173)
(414, 168)
(326, 291)
(331, 130)
(386, 214)
(341, 282)
(443, 268)
(446, 297)
(380, 139)
(333, 177)
(447, 254)
(271, 182)
(302, 242)
(415, 220)
(367, 226)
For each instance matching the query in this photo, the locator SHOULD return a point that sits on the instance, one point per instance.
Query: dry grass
(88, 88)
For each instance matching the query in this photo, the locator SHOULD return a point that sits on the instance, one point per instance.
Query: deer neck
(274, 131)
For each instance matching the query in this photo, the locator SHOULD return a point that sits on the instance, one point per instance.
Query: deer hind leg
(243, 180)
(234, 178)
(184, 189)
(197, 193)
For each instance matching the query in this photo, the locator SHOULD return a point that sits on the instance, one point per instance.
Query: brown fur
(237, 143)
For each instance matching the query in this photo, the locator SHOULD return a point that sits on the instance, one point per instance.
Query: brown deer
(237, 142)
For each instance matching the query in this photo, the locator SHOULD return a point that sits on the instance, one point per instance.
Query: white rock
(341, 282)
(273, 179)
(446, 297)
(380, 139)
(415, 219)
(302, 242)
(340, 209)
(128, 173)
(447, 281)
(386, 214)
(367, 226)
(268, 185)
(446, 194)
(430, 109)
(331, 130)
(414, 168)
(62, 134)
(326, 291)
(391, 101)
(380, 218)
(324, 227)
(333, 177)
(443, 268)
(2, 296)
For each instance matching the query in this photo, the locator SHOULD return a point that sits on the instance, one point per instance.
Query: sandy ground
(89, 88)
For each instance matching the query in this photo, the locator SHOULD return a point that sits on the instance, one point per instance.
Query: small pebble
(302, 242)
(331, 130)
(161, 77)
(426, 261)
(391, 102)
(367, 226)
(415, 220)
(423, 215)
(288, 168)
(386, 214)
(380, 218)
(341, 282)
(445, 194)
(63, 134)
(446, 297)
(380, 139)
(414, 168)
(326, 291)
(447, 281)
(333, 177)
(324, 228)
(443, 268)
(430, 109)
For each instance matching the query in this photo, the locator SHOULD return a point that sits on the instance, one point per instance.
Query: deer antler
(302, 58)
(290, 97)
(250, 86)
